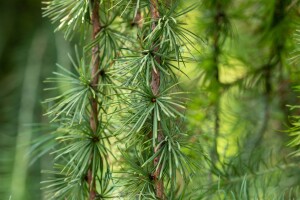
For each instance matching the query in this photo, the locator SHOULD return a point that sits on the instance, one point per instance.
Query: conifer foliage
(121, 129)
(137, 85)
(154, 103)
(82, 168)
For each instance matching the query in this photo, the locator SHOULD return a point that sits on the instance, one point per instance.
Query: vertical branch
(216, 53)
(266, 116)
(95, 65)
(155, 83)
(277, 48)
(95, 79)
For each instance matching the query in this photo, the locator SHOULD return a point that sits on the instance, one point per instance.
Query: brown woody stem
(95, 79)
(155, 83)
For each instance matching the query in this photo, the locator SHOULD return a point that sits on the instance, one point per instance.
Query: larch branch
(155, 83)
(94, 82)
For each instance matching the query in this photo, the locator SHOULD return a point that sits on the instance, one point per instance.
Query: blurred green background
(28, 53)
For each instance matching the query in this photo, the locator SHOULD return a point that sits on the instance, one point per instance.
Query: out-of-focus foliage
(240, 110)
(28, 49)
